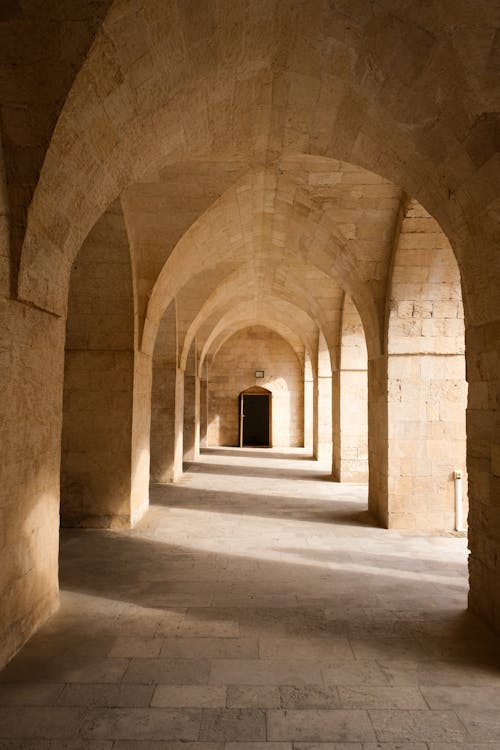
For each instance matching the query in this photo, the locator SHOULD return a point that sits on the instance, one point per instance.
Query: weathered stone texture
(31, 369)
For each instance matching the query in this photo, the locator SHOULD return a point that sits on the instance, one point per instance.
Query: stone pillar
(191, 408)
(315, 415)
(350, 389)
(308, 407)
(324, 449)
(483, 463)
(204, 408)
(417, 392)
(163, 417)
(141, 432)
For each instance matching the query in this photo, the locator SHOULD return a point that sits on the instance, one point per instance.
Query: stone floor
(254, 605)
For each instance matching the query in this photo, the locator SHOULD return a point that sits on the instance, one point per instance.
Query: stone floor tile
(102, 670)
(306, 648)
(166, 745)
(309, 696)
(111, 696)
(29, 694)
(39, 722)
(136, 647)
(233, 724)
(80, 744)
(366, 696)
(317, 725)
(424, 726)
(253, 696)
(389, 649)
(168, 671)
(264, 672)
(465, 746)
(210, 648)
(399, 598)
(181, 696)
(354, 673)
(461, 697)
(437, 673)
(141, 724)
(258, 746)
(201, 623)
(481, 724)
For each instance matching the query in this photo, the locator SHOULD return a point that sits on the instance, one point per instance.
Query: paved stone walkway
(256, 604)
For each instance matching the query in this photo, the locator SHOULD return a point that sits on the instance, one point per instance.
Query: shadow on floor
(316, 474)
(383, 616)
(342, 512)
(266, 453)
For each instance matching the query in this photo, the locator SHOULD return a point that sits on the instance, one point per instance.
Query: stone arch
(163, 122)
(315, 242)
(275, 312)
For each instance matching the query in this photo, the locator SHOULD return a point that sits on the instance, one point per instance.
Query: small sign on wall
(259, 373)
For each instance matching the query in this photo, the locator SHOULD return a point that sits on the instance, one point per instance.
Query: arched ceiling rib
(288, 245)
(294, 324)
(410, 98)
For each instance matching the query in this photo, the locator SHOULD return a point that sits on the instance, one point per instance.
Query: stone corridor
(256, 603)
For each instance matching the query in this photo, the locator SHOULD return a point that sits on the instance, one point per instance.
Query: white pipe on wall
(458, 500)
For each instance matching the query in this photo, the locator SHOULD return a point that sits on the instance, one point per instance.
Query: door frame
(256, 390)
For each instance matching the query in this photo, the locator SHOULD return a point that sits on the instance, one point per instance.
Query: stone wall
(233, 371)
(31, 371)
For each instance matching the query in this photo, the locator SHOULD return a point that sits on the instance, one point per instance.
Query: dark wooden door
(255, 419)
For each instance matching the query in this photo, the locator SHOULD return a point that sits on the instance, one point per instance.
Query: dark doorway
(255, 413)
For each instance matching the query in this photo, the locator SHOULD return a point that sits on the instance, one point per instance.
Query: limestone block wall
(99, 381)
(233, 370)
(31, 374)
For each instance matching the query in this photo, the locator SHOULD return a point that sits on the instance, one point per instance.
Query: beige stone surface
(333, 633)
(265, 160)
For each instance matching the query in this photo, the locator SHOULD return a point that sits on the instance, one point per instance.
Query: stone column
(350, 389)
(164, 403)
(308, 408)
(191, 408)
(204, 408)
